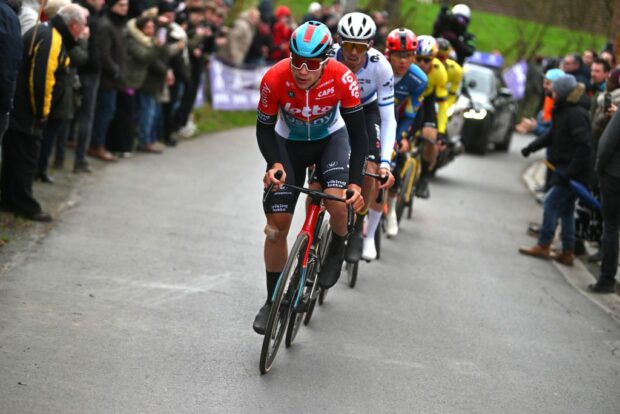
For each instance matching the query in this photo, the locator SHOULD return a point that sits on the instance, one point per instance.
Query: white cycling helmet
(357, 26)
(462, 10)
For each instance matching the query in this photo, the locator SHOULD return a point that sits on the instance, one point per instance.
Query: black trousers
(20, 154)
(121, 130)
(610, 194)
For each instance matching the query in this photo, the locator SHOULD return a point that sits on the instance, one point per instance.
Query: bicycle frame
(314, 217)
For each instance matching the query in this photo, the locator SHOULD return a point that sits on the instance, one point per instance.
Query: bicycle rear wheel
(351, 269)
(282, 304)
(378, 241)
(297, 316)
(417, 170)
(406, 189)
(322, 243)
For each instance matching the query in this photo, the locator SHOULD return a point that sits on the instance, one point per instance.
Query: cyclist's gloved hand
(356, 200)
(390, 181)
(526, 151)
(270, 176)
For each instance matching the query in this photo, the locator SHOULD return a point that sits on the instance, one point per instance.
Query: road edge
(578, 276)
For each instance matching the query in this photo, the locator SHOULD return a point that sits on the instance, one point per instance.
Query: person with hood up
(570, 142)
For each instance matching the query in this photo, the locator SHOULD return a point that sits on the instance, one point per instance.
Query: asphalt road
(141, 300)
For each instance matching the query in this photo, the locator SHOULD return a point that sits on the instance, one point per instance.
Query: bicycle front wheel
(282, 305)
(406, 189)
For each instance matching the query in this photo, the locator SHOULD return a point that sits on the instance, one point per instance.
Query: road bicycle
(297, 288)
(409, 177)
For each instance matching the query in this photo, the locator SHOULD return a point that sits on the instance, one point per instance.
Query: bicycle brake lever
(278, 175)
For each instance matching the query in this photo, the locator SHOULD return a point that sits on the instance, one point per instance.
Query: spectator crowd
(577, 122)
(106, 78)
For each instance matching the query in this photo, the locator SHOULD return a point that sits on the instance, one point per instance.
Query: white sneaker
(370, 251)
(391, 224)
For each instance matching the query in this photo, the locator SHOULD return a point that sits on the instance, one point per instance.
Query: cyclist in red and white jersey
(309, 113)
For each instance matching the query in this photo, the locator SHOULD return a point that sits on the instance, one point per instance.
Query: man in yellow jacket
(44, 64)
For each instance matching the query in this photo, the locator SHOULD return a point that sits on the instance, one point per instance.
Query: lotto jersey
(307, 115)
(376, 78)
(408, 92)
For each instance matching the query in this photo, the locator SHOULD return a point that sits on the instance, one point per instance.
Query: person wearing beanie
(570, 142)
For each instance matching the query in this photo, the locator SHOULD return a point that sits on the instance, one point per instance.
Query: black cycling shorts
(373, 126)
(331, 157)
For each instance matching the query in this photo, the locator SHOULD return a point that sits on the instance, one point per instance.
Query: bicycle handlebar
(382, 180)
(319, 195)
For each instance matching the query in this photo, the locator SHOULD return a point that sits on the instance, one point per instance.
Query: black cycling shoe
(355, 244)
(332, 265)
(422, 190)
(262, 317)
(330, 273)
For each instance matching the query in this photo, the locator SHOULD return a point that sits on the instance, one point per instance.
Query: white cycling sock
(374, 217)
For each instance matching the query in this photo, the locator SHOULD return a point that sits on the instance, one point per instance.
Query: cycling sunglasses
(424, 59)
(403, 54)
(359, 47)
(311, 64)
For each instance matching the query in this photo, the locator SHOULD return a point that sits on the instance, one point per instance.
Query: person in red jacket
(281, 31)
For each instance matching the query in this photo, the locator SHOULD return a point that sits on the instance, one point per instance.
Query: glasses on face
(298, 62)
(403, 55)
(359, 47)
(424, 59)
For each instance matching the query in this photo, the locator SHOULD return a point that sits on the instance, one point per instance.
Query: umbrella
(582, 192)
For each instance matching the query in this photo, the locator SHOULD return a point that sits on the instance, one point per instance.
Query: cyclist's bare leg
(370, 187)
(430, 150)
(276, 248)
(337, 212)
(429, 158)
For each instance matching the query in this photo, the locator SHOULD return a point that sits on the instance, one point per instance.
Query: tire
(351, 269)
(322, 296)
(294, 323)
(417, 171)
(405, 185)
(378, 241)
(322, 251)
(281, 308)
(476, 138)
(324, 236)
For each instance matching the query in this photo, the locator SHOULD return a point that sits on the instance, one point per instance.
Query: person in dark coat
(608, 170)
(33, 102)
(112, 48)
(570, 142)
(10, 59)
(90, 77)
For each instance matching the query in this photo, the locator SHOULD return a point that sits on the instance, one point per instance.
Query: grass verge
(209, 120)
